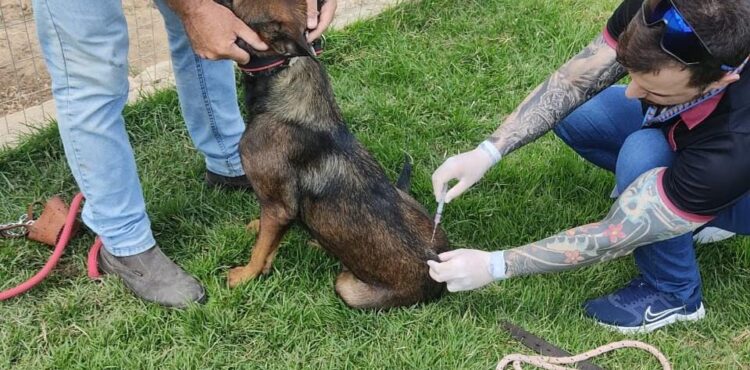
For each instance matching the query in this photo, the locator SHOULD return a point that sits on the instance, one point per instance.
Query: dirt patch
(24, 80)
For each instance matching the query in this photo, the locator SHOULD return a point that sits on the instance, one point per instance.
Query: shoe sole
(714, 238)
(647, 328)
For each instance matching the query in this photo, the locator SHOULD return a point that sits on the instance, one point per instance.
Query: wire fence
(25, 95)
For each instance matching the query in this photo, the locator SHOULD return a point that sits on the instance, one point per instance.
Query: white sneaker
(712, 234)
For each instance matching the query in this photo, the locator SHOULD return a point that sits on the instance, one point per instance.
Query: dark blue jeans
(607, 132)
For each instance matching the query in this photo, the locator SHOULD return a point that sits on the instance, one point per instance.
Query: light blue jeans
(85, 46)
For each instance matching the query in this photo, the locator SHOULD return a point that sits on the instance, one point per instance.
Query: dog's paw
(239, 275)
(253, 226)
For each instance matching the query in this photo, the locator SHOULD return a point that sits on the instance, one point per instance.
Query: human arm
(585, 75)
(582, 77)
(213, 30)
(640, 216)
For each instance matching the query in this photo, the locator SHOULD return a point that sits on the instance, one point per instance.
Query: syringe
(439, 212)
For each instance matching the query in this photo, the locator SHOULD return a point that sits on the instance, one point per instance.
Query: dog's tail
(404, 179)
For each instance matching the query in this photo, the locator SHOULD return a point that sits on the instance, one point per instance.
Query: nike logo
(651, 317)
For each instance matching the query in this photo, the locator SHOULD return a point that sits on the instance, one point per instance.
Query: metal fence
(25, 98)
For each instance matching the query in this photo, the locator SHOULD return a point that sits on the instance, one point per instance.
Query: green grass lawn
(432, 79)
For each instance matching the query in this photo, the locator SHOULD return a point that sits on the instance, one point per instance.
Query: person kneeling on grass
(677, 138)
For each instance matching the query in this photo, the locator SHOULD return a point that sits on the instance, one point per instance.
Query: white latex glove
(467, 168)
(467, 269)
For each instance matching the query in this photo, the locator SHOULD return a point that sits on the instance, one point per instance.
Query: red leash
(93, 270)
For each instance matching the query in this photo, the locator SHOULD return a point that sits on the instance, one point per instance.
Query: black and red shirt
(712, 141)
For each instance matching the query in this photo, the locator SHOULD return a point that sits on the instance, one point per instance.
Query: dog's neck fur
(299, 94)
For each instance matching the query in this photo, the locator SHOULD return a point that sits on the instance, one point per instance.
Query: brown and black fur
(305, 165)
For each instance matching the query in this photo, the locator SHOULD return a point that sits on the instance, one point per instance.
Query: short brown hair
(723, 25)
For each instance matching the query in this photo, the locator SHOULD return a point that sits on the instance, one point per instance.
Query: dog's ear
(281, 40)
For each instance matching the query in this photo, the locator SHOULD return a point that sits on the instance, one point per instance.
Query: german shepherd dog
(305, 165)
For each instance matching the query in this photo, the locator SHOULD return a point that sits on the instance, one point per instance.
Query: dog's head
(281, 24)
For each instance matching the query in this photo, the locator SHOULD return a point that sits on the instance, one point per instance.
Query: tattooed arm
(639, 217)
(582, 77)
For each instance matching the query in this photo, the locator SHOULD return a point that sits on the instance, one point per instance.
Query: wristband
(490, 149)
(497, 265)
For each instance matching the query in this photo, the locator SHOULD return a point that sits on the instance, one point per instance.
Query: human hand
(467, 168)
(318, 25)
(213, 30)
(462, 269)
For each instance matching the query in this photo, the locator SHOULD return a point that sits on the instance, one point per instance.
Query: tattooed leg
(639, 217)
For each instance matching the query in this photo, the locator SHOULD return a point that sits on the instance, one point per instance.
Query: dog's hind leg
(272, 229)
(269, 260)
(358, 294)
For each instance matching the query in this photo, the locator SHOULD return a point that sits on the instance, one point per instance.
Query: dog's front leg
(272, 229)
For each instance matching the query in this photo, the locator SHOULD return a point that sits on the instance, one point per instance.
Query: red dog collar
(270, 65)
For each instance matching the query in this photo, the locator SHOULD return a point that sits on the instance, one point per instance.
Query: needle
(439, 212)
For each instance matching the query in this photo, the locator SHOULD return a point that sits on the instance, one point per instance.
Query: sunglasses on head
(679, 39)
